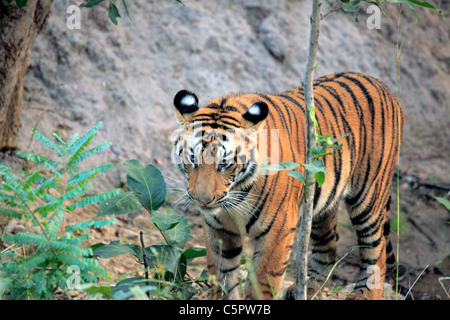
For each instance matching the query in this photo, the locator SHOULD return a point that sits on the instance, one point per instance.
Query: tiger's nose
(204, 201)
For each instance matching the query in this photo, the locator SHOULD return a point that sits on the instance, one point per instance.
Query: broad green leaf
(140, 294)
(123, 203)
(90, 3)
(320, 178)
(148, 183)
(286, 165)
(445, 202)
(337, 139)
(113, 12)
(193, 253)
(165, 221)
(204, 276)
(179, 234)
(316, 166)
(296, 175)
(426, 5)
(21, 3)
(122, 290)
(336, 146)
(351, 6)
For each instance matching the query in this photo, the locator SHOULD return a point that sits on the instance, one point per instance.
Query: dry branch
(301, 266)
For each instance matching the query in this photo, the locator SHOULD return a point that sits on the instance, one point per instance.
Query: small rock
(132, 235)
(116, 149)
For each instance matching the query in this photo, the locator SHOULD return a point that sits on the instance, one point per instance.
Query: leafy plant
(113, 11)
(352, 6)
(19, 3)
(316, 167)
(167, 261)
(35, 263)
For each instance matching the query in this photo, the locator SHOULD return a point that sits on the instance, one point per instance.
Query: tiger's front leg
(269, 263)
(224, 248)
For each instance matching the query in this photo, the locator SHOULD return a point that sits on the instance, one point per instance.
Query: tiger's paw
(364, 294)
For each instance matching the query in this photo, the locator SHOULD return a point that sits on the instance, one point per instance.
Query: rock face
(127, 75)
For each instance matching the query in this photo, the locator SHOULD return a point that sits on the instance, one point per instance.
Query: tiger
(239, 201)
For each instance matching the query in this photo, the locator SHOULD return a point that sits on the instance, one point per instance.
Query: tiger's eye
(193, 160)
(223, 166)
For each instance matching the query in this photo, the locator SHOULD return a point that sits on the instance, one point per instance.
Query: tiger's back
(360, 174)
(349, 104)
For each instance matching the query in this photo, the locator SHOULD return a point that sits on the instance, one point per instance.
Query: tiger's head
(216, 147)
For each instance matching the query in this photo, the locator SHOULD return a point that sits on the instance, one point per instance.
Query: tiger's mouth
(211, 205)
(235, 202)
(209, 209)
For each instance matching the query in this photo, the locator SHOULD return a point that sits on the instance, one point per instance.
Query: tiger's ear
(186, 103)
(256, 114)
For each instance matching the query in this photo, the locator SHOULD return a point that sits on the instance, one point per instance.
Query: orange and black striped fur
(237, 200)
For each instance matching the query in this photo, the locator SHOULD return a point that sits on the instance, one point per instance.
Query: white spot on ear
(188, 100)
(254, 110)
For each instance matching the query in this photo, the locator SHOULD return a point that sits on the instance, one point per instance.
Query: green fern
(35, 263)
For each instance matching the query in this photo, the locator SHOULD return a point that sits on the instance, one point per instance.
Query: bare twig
(301, 270)
(144, 255)
(333, 8)
(200, 283)
(144, 258)
(410, 288)
(398, 51)
(443, 287)
(329, 275)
